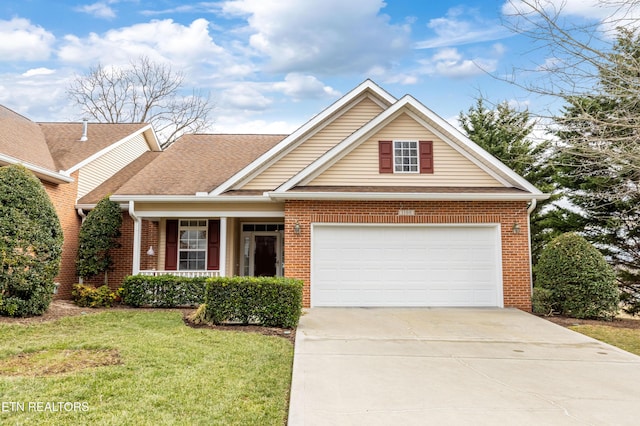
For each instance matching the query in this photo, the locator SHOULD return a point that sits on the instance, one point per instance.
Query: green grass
(624, 338)
(168, 373)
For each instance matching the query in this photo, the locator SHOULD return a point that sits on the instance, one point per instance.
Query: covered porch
(194, 240)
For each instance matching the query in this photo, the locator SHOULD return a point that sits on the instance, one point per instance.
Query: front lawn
(140, 367)
(624, 338)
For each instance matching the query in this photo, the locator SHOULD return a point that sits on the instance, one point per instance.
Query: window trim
(415, 147)
(198, 227)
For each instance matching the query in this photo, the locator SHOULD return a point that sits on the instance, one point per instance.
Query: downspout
(83, 216)
(530, 210)
(136, 238)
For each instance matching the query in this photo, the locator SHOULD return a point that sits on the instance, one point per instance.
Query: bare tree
(143, 92)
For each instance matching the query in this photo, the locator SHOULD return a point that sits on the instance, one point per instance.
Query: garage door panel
(396, 265)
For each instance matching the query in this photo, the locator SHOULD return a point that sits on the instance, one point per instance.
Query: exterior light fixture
(516, 228)
(150, 252)
(296, 228)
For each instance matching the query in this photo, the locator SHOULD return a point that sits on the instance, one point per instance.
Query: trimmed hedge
(88, 296)
(267, 301)
(164, 291)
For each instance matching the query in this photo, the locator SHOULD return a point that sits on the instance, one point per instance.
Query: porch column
(223, 246)
(137, 237)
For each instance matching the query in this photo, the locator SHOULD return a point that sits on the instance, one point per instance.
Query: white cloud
(304, 87)
(244, 97)
(450, 62)
(323, 36)
(462, 26)
(99, 10)
(158, 39)
(23, 41)
(38, 71)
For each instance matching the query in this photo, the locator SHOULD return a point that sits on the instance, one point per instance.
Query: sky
(271, 65)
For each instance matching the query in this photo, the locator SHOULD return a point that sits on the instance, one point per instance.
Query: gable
(360, 167)
(315, 146)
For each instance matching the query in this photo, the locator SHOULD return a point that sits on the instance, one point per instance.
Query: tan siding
(315, 146)
(207, 208)
(102, 168)
(360, 166)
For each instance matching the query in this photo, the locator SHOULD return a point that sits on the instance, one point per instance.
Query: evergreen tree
(599, 159)
(30, 244)
(98, 236)
(505, 133)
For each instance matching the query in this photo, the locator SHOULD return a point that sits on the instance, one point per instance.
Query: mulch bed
(65, 308)
(617, 322)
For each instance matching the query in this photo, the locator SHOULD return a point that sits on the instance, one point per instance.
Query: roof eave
(190, 198)
(40, 172)
(403, 196)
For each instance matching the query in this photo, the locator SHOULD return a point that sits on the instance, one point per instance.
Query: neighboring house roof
(116, 181)
(198, 163)
(68, 151)
(23, 142)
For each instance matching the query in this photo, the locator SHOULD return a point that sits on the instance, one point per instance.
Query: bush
(164, 291)
(268, 301)
(581, 282)
(30, 244)
(542, 301)
(98, 236)
(88, 296)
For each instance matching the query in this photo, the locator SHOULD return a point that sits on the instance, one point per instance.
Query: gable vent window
(405, 156)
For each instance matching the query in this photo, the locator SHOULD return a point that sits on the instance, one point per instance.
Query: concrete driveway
(385, 366)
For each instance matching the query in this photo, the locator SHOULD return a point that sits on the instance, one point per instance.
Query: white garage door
(405, 265)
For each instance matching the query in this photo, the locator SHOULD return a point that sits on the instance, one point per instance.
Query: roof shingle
(198, 163)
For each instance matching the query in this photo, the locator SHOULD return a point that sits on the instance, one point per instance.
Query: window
(405, 156)
(192, 248)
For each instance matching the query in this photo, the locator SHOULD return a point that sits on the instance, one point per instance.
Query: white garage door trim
(488, 294)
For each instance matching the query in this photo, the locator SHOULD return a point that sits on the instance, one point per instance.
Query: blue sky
(270, 65)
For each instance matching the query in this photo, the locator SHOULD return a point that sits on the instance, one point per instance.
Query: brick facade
(516, 273)
(63, 197)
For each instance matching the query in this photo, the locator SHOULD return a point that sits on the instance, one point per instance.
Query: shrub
(90, 297)
(30, 244)
(268, 301)
(98, 236)
(542, 301)
(581, 282)
(164, 291)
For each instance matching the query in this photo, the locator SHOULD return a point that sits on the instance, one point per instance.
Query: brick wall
(63, 197)
(515, 246)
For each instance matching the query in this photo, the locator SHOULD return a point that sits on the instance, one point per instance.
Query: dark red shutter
(171, 246)
(385, 154)
(213, 245)
(426, 157)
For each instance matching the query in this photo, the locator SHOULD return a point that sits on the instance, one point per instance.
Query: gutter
(392, 196)
(190, 198)
(41, 172)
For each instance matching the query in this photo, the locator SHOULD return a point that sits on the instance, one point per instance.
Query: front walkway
(385, 366)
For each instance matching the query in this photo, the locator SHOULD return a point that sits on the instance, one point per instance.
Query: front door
(262, 254)
(265, 255)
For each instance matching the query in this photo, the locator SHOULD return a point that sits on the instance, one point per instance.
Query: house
(376, 201)
(71, 160)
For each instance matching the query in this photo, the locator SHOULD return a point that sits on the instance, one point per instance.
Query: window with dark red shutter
(171, 246)
(426, 157)
(385, 154)
(213, 245)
